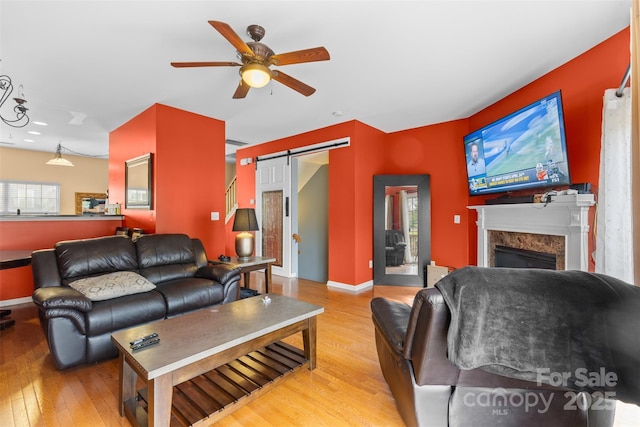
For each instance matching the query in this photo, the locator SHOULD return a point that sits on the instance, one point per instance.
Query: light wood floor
(346, 389)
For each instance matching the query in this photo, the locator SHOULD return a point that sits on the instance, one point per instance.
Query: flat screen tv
(524, 150)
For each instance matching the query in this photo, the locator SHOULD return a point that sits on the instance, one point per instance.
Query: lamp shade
(58, 160)
(255, 75)
(245, 220)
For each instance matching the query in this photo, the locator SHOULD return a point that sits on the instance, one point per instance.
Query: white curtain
(388, 212)
(614, 228)
(404, 225)
(635, 132)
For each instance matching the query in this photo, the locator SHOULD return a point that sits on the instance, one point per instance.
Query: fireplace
(559, 228)
(551, 246)
(522, 258)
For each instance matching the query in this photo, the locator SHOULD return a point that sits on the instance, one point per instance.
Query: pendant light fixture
(58, 160)
(21, 119)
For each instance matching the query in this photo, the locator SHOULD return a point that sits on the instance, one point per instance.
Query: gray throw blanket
(568, 328)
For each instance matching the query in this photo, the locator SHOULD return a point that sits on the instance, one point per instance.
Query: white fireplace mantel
(568, 217)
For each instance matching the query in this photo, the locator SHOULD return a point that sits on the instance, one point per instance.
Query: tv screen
(524, 150)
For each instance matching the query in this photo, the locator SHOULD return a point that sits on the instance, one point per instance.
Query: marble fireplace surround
(544, 243)
(559, 227)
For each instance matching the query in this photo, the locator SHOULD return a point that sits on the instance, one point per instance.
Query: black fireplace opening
(523, 258)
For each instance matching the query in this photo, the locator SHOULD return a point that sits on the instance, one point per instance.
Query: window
(29, 197)
(412, 207)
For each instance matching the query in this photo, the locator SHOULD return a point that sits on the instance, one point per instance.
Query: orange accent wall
(351, 171)
(133, 139)
(188, 173)
(369, 160)
(32, 235)
(437, 150)
(582, 81)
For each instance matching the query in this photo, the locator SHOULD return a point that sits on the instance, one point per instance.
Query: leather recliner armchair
(429, 390)
(395, 246)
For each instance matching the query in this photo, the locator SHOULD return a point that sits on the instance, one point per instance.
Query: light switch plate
(215, 216)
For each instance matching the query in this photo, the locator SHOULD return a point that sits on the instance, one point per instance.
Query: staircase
(231, 202)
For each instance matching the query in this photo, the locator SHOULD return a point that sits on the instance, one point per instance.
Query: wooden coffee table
(212, 361)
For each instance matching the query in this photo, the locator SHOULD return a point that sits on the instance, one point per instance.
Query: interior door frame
(274, 183)
(291, 159)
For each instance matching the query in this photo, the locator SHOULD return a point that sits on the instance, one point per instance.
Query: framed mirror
(138, 182)
(401, 229)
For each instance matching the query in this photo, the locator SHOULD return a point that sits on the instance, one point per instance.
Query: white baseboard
(15, 301)
(352, 288)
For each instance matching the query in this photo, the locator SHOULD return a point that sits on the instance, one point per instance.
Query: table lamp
(245, 221)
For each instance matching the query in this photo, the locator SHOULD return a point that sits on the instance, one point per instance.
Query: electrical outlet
(215, 216)
(456, 219)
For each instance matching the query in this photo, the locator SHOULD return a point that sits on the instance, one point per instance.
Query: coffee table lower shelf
(209, 397)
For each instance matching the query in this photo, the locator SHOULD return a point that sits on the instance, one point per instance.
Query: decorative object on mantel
(257, 57)
(58, 160)
(245, 221)
(19, 109)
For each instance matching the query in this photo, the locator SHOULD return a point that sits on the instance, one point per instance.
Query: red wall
(369, 160)
(32, 235)
(131, 140)
(582, 81)
(188, 173)
(351, 171)
(437, 150)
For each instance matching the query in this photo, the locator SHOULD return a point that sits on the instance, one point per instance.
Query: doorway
(273, 205)
(277, 207)
(313, 216)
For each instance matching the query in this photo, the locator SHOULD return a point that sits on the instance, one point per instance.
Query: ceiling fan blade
(294, 84)
(204, 64)
(232, 37)
(300, 56)
(242, 90)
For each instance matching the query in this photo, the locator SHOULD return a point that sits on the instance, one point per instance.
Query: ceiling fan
(256, 59)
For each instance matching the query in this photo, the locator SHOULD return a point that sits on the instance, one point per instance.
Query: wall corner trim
(351, 288)
(16, 301)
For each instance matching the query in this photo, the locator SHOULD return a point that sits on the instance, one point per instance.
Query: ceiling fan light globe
(255, 75)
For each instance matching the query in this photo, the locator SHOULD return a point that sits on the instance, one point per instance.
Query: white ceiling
(394, 64)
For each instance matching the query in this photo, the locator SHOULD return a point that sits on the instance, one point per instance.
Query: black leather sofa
(429, 390)
(78, 329)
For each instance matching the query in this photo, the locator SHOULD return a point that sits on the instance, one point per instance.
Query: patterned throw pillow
(112, 285)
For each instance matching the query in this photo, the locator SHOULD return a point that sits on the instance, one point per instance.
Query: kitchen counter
(90, 217)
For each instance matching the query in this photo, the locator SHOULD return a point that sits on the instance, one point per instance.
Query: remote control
(143, 339)
(146, 343)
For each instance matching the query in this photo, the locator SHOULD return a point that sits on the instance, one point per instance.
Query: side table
(252, 264)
